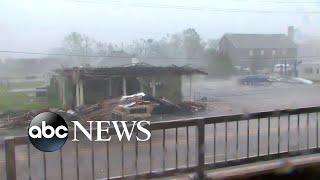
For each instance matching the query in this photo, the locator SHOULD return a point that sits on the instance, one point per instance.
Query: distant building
(87, 85)
(309, 50)
(259, 51)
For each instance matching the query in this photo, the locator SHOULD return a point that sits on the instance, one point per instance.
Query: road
(227, 97)
(230, 97)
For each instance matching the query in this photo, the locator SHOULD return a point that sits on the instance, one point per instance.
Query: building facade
(259, 51)
(309, 70)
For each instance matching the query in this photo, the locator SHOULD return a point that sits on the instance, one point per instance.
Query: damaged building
(88, 85)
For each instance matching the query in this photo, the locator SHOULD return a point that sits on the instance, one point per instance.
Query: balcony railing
(176, 147)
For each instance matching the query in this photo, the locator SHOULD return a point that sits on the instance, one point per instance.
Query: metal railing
(176, 147)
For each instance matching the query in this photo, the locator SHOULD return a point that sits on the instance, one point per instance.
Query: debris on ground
(20, 119)
(269, 79)
(138, 106)
(100, 111)
(141, 106)
(192, 107)
(301, 81)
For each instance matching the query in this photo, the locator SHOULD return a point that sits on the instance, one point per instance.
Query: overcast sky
(40, 25)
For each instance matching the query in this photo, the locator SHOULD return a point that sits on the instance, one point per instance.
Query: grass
(15, 101)
(10, 101)
(23, 85)
(26, 85)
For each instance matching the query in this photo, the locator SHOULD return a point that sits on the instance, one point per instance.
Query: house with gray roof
(259, 51)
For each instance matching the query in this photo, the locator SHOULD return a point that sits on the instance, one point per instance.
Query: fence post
(200, 137)
(10, 158)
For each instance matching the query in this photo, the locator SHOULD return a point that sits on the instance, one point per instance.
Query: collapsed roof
(140, 69)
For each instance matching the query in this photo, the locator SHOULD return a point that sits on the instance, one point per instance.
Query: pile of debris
(138, 106)
(20, 119)
(192, 107)
(141, 106)
(100, 111)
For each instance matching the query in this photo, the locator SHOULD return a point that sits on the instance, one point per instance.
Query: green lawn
(18, 101)
(26, 85)
(14, 101)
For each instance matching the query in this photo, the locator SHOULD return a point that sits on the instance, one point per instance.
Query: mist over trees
(186, 44)
(184, 48)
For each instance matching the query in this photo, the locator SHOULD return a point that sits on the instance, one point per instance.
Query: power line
(278, 1)
(121, 3)
(201, 9)
(294, 2)
(151, 57)
(87, 56)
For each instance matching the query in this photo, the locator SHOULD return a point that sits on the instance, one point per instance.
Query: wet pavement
(224, 97)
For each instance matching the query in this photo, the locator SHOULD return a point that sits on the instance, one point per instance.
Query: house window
(251, 53)
(262, 52)
(273, 52)
(318, 71)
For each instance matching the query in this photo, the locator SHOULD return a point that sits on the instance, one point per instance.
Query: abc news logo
(48, 131)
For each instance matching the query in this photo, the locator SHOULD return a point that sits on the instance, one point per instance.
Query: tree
(192, 43)
(185, 44)
(176, 44)
(80, 44)
(213, 43)
(217, 65)
(102, 49)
